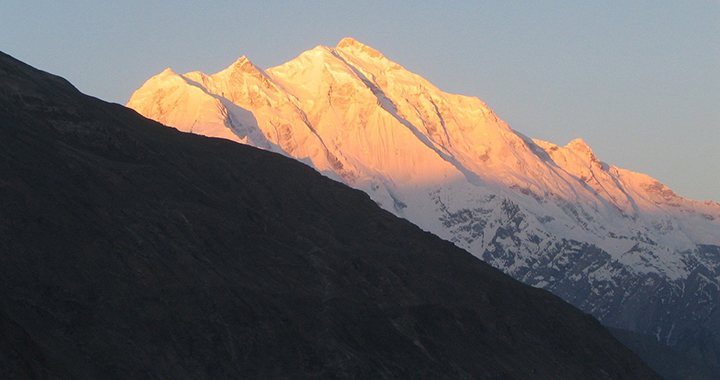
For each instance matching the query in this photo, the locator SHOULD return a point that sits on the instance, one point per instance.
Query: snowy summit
(552, 216)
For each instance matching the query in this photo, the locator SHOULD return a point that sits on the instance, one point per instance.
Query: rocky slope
(131, 250)
(615, 243)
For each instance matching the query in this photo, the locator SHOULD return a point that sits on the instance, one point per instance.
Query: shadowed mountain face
(672, 363)
(131, 250)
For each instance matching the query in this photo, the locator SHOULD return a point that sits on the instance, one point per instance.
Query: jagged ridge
(447, 163)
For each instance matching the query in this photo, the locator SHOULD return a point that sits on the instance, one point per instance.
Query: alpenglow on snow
(615, 243)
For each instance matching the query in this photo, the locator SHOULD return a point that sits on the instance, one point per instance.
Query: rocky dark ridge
(133, 251)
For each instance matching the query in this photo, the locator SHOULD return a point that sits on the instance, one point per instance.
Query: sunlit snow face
(422, 153)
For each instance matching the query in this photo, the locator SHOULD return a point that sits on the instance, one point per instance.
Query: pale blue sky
(639, 81)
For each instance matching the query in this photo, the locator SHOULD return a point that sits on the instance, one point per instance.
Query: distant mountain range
(129, 250)
(617, 244)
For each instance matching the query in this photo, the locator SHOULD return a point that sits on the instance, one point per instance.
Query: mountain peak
(580, 146)
(242, 67)
(243, 64)
(349, 44)
(582, 149)
(166, 72)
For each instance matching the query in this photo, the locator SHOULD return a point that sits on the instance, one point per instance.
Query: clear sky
(639, 81)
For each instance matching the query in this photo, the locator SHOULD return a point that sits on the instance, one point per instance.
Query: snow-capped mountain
(615, 243)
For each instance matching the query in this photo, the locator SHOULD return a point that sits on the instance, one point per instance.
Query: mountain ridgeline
(134, 251)
(614, 243)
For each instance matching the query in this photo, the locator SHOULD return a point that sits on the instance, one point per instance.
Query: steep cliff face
(616, 243)
(130, 250)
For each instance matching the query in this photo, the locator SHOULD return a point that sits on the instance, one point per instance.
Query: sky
(639, 81)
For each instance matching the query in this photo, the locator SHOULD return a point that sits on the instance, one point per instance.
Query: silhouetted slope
(131, 250)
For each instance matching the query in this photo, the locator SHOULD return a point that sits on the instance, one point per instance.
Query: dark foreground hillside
(130, 250)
